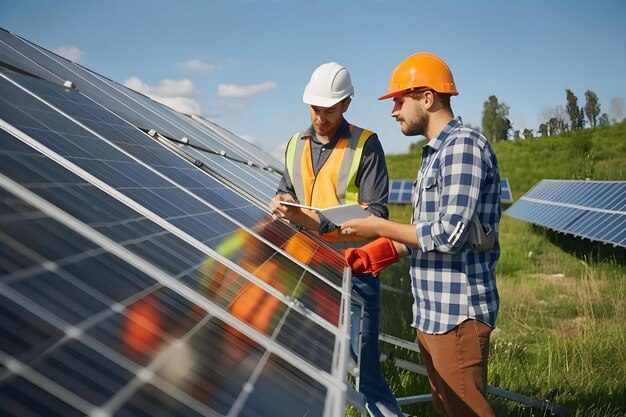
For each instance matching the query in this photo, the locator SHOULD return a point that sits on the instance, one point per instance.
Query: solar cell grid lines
(156, 256)
(400, 191)
(594, 210)
(252, 151)
(128, 266)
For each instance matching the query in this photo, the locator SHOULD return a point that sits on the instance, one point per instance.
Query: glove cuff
(382, 253)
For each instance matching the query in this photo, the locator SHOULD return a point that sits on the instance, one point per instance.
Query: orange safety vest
(335, 183)
(244, 299)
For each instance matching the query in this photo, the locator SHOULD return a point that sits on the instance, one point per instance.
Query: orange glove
(372, 257)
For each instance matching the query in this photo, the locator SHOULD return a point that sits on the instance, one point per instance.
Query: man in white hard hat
(330, 164)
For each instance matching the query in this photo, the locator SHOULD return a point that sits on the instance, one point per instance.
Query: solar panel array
(506, 196)
(401, 191)
(594, 210)
(140, 271)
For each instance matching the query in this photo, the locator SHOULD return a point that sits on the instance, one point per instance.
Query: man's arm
(295, 215)
(463, 172)
(373, 178)
(374, 227)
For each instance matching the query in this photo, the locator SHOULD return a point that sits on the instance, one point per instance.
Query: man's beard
(417, 126)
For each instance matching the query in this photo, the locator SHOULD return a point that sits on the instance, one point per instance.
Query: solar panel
(223, 160)
(401, 191)
(134, 282)
(251, 151)
(594, 210)
(506, 196)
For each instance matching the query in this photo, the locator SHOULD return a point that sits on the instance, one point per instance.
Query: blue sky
(244, 64)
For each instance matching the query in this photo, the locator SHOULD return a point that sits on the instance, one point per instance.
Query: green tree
(592, 107)
(543, 129)
(574, 112)
(528, 133)
(496, 124)
(556, 126)
(604, 120)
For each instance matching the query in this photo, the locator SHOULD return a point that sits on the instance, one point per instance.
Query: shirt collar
(452, 125)
(342, 132)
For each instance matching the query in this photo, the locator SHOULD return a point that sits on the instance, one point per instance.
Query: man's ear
(346, 104)
(429, 99)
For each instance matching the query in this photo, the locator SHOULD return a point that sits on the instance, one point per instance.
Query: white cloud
(279, 152)
(197, 65)
(137, 85)
(181, 104)
(73, 53)
(175, 88)
(237, 91)
(176, 94)
(166, 88)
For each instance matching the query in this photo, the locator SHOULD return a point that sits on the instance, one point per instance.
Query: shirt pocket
(429, 197)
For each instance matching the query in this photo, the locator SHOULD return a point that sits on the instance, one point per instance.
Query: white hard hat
(330, 83)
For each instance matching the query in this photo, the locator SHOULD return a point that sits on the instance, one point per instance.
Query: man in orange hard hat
(452, 238)
(330, 164)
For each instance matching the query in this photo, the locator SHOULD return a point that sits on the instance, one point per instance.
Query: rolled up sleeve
(461, 174)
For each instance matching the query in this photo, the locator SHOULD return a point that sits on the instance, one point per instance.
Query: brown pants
(456, 363)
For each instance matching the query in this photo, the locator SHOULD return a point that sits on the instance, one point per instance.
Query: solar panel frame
(593, 210)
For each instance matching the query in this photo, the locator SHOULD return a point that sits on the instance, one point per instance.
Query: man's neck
(437, 123)
(327, 138)
(324, 139)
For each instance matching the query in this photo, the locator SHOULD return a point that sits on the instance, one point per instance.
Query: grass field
(561, 330)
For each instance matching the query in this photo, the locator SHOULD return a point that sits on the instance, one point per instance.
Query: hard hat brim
(321, 101)
(401, 93)
(390, 95)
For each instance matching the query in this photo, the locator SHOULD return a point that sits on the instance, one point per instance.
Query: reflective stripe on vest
(335, 183)
(344, 178)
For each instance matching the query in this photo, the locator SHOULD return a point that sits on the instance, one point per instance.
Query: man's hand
(368, 227)
(295, 215)
(282, 210)
(372, 257)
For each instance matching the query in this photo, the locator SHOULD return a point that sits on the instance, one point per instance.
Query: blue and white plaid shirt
(451, 282)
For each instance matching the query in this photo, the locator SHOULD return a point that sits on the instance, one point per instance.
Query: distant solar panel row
(401, 191)
(594, 210)
(140, 277)
(506, 195)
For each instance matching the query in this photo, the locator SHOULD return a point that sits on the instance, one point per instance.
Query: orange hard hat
(140, 333)
(422, 69)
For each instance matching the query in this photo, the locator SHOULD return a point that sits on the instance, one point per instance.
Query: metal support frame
(354, 397)
(542, 405)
